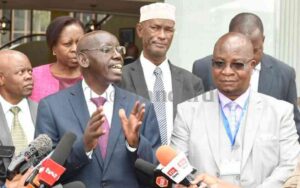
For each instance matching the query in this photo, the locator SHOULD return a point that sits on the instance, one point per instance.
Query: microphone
(30, 156)
(52, 168)
(176, 166)
(74, 184)
(152, 175)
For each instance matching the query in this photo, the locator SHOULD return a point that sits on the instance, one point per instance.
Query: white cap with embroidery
(157, 11)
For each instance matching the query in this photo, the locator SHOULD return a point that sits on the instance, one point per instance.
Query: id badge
(230, 168)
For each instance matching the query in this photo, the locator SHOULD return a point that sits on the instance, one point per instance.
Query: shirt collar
(258, 67)
(241, 100)
(6, 105)
(108, 94)
(150, 67)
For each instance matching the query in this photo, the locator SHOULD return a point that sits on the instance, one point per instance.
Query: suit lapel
(266, 76)
(80, 109)
(116, 129)
(138, 80)
(33, 110)
(253, 117)
(212, 125)
(5, 135)
(177, 87)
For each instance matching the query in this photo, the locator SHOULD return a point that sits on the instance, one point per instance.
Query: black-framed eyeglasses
(107, 49)
(235, 66)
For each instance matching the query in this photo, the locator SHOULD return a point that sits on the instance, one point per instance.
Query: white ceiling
(101, 6)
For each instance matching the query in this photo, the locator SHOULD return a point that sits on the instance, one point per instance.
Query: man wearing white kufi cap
(152, 75)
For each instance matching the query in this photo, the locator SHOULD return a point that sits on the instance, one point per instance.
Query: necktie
(103, 140)
(159, 102)
(233, 116)
(17, 132)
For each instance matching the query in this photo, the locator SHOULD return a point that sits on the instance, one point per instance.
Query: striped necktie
(159, 101)
(17, 132)
(103, 140)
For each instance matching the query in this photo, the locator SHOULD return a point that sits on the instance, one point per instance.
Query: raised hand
(94, 130)
(132, 124)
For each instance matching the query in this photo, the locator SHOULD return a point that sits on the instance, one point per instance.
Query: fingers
(135, 108)
(141, 113)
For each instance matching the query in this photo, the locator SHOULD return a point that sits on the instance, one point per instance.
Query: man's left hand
(132, 124)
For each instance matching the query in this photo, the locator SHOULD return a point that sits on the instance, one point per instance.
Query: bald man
(241, 136)
(15, 86)
(270, 76)
(108, 143)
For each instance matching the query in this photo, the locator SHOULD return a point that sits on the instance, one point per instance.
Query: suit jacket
(67, 111)
(276, 79)
(269, 149)
(5, 135)
(184, 84)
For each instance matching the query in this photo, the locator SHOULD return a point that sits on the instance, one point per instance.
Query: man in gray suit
(270, 76)
(15, 86)
(153, 74)
(241, 136)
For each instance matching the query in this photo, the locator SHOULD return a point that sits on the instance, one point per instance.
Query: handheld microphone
(152, 174)
(74, 184)
(176, 166)
(30, 156)
(52, 168)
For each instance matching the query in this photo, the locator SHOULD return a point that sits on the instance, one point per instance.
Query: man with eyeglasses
(113, 127)
(153, 76)
(242, 137)
(270, 76)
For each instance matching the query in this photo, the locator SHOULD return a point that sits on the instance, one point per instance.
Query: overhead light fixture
(5, 23)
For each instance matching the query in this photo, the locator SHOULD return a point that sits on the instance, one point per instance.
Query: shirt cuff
(89, 154)
(131, 149)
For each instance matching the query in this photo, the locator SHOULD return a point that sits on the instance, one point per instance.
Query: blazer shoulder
(185, 73)
(278, 64)
(272, 102)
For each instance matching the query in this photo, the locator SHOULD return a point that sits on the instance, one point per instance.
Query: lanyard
(231, 137)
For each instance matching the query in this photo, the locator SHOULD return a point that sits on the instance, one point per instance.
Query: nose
(73, 47)
(28, 75)
(162, 33)
(117, 55)
(227, 70)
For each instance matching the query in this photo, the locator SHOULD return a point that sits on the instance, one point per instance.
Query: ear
(139, 29)
(264, 38)
(83, 60)
(2, 79)
(252, 63)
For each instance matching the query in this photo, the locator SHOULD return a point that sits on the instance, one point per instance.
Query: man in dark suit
(156, 29)
(270, 76)
(108, 143)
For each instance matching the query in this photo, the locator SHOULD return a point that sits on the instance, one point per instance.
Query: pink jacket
(44, 82)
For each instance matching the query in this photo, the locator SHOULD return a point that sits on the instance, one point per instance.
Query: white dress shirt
(109, 95)
(24, 117)
(255, 77)
(148, 69)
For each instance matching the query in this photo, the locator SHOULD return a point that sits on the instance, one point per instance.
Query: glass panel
(41, 20)
(18, 20)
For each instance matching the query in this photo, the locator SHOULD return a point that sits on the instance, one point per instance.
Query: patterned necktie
(233, 116)
(17, 132)
(159, 102)
(103, 140)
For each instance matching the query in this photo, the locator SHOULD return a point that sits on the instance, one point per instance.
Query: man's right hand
(94, 130)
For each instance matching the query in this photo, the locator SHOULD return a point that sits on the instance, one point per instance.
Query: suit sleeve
(289, 151)
(46, 124)
(181, 134)
(292, 98)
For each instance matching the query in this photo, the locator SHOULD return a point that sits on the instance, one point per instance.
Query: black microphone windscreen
(63, 148)
(75, 184)
(145, 167)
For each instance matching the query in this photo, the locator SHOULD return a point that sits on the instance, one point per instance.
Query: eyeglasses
(235, 66)
(108, 49)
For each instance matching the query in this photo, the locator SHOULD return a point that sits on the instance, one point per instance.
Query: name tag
(228, 168)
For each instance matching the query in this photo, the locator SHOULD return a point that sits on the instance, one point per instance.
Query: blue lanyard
(226, 123)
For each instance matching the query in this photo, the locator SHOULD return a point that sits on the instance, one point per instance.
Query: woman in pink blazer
(62, 36)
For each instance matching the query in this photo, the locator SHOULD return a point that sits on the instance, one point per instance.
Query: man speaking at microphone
(113, 127)
(240, 136)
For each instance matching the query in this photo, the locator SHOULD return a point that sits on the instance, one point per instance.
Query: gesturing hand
(93, 129)
(132, 124)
